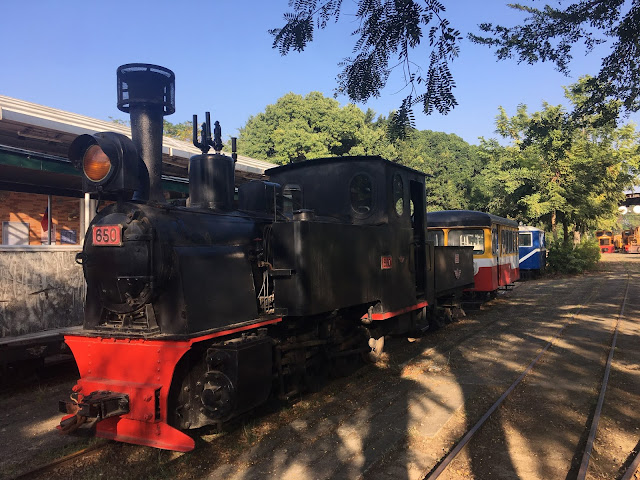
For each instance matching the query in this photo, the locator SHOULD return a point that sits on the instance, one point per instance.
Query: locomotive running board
(367, 318)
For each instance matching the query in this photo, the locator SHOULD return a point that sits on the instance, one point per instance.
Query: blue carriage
(532, 249)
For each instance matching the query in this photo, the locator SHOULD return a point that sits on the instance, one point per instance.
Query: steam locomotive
(198, 312)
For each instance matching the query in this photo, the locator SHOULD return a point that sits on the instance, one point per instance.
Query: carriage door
(418, 209)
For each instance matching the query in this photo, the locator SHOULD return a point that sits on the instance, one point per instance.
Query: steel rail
(628, 475)
(38, 471)
(584, 466)
(456, 450)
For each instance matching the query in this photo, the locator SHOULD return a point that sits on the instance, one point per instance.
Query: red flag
(44, 223)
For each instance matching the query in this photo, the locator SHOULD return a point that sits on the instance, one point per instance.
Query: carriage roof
(527, 228)
(462, 218)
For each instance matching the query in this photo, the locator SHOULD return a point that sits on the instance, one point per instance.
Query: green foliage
(561, 167)
(563, 257)
(450, 162)
(298, 128)
(181, 131)
(550, 34)
(388, 31)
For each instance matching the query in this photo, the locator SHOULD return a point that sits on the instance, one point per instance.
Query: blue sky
(64, 54)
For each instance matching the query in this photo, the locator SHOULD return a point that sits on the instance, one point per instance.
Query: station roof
(37, 137)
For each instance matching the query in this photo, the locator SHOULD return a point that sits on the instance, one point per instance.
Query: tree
(551, 34)
(298, 128)
(561, 168)
(451, 162)
(181, 131)
(389, 30)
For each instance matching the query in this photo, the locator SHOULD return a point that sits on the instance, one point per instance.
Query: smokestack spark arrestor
(147, 93)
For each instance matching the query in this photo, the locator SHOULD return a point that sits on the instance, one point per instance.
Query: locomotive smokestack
(147, 93)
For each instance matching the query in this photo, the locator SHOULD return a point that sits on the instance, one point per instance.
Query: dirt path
(541, 430)
(399, 419)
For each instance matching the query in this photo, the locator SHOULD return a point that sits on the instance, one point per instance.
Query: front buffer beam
(137, 370)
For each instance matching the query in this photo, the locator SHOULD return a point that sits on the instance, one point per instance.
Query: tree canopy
(298, 128)
(182, 131)
(560, 168)
(552, 34)
(389, 31)
(450, 162)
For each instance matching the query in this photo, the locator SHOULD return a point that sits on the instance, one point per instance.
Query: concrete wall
(41, 288)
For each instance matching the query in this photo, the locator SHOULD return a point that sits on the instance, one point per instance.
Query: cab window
(361, 194)
(291, 198)
(436, 236)
(398, 194)
(467, 238)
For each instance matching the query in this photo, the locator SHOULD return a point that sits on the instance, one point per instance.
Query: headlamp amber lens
(96, 163)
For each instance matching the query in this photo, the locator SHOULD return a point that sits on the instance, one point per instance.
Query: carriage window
(467, 238)
(291, 198)
(361, 191)
(494, 240)
(605, 241)
(436, 236)
(398, 194)
(507, 241)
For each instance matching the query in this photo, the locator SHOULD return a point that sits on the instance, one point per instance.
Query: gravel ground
(398, 419)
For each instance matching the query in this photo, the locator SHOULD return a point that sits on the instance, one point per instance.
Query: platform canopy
(34, 140)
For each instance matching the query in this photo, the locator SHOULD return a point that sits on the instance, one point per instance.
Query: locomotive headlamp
(96, 164)
(110, 163)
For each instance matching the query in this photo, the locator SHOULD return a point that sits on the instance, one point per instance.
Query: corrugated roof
(32, 114)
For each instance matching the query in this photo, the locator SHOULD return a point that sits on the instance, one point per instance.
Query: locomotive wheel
(448, 315)
(436, 321)
(377, 348)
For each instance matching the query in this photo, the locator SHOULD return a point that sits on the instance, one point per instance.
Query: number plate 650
(107, 235)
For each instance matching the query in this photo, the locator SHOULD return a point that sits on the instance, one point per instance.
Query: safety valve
(110, 163)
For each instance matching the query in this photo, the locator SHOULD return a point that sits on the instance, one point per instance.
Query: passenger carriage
(532, 250)
(494, 240)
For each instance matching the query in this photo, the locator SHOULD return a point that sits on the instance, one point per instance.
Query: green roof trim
(33, 161)
(173, 186)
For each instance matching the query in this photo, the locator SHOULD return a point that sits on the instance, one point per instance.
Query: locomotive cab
(360, 215)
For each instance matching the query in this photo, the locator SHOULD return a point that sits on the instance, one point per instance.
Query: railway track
(628, 473)
(380, 426)
(45, 470)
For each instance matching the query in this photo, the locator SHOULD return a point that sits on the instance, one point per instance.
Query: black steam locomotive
(196, 313)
